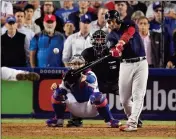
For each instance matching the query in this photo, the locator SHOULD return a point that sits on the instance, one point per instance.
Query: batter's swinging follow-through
(133, 73)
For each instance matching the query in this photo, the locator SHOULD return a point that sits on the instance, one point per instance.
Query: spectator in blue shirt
(67, 9)
(47, 46)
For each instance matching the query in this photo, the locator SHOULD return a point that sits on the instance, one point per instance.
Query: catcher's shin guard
(101, 103)
(58, 103)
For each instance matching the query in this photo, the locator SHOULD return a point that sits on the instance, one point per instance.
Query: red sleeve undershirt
(128, 34)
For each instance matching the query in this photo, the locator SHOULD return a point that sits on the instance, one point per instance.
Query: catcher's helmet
(113, 14)
(98, 40)
(76, 62)
(77, 59)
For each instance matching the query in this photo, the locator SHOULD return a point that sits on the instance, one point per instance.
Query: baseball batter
(81, 95)
(133, 73)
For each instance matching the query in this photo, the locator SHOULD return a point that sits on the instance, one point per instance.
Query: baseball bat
(91, 64)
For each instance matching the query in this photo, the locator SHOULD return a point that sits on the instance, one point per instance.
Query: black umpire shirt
(107, 71)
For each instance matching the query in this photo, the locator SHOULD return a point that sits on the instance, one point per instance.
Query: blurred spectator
(155, 24)
(172, 60)
(46, 47)
(101, 22)
(109, 4)
(19, 15)
(83, 9)
(94, 6)
(28, 23)
(20, 4)
(67, 9)
(136, 15)
(12, 45)
(69, 28)
(138, 6)
(169, 10)
(49, 8)
(79, 41)
(6, 10)
(150, 12)
(166, 25)
(147, 3)
(121, 7)
(57, 3)
(152, 43)
(37, 10)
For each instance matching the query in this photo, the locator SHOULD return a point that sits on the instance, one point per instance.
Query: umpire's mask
(98, 41)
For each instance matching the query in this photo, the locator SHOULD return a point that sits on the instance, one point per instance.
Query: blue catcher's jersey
(82, 90)
(134, 48)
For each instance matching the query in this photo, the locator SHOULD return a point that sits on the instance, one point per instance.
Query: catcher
(80, 94)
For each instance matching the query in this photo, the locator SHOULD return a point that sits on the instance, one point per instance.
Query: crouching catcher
(80, 95)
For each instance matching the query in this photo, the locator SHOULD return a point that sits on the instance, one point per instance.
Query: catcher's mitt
(70, 79)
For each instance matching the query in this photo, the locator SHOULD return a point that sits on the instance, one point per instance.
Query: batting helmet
(113, 14)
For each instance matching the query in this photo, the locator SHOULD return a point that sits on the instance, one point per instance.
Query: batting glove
(117, 50)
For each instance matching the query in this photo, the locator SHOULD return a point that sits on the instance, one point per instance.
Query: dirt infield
(38, 130)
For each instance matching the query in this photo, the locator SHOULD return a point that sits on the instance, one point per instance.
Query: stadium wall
(20, 98)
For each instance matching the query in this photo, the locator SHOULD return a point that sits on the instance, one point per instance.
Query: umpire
(106, 71)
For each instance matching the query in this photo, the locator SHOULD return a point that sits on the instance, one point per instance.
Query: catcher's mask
(98, 41)
(77, 61)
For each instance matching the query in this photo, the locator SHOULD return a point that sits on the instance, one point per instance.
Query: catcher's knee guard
(59, 96)
(98, 99)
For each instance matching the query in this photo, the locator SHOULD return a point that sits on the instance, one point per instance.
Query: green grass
(146, 122)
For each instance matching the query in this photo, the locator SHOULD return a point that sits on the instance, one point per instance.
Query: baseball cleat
(128, 128)
(54, 122)
(30, 76)
(115, 123)
(139, 125)
(75, 123)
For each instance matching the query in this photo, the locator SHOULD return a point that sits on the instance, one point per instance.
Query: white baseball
(56, 50)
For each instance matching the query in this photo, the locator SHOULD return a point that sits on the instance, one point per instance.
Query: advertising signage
(159, 102)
